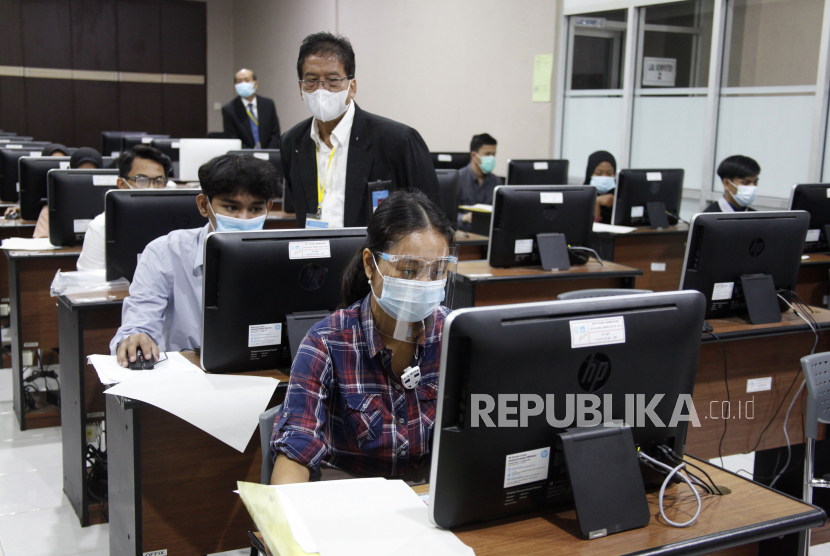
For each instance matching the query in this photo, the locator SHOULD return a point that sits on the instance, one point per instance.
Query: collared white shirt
(254, 111)
(334, 197)
(724, 205)
(94, 254)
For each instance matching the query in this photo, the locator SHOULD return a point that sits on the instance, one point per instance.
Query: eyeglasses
(331, 84)
(144, 181)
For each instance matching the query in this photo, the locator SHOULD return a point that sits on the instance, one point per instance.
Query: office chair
(816, 370)
(599, 292)
(266, 427)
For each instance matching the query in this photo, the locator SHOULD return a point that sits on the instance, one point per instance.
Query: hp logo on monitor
(594, 372)
(756, 247)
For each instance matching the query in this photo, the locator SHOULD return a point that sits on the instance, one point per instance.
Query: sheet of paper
(542, 75)
(599, 227)
(110, 372)
(27, 244)
(478, 207)
(225, 406)
(399, 518)
(264, 505)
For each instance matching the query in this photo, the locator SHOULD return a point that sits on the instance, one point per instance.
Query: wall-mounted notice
(659, 72)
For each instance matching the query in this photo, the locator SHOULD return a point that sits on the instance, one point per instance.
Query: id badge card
(377, 197)
(314, 221)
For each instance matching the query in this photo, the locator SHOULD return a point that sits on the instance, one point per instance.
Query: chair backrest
(599, 292)
(266, 427)
(816, 369)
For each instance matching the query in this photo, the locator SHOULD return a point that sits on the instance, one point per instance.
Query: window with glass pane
(598, 48)
(681, 34)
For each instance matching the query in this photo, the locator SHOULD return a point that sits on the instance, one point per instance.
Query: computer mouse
(140, 363)
(12, 216)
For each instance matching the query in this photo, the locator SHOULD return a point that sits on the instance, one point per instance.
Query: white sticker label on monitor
(523, 247)
(264, 334)
(540, 165)
(722, 291)
(759, 384)
(309, 249)
(105, 180)
(146, 140)
(80, 226)
(17, 186)
(261, 156)
(527, 467)
(35, 153)
(637, 212)
(63, 164)
(654, 176)
(115, 154)
(658, 267)
(174, 145)
(13, 146)
(552, 198)
(813, 235)
(444, 158)
(597, 332)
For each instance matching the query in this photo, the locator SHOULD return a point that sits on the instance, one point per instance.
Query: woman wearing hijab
(601, 173)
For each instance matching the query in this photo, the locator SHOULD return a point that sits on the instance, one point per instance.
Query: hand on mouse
(126, 349)
(11, 212)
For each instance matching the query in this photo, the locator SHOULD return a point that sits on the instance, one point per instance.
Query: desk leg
(18, 400)
(124, 471)
(73, 422)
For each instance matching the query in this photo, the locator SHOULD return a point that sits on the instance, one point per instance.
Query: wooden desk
(814, 279)
(171, 484)
(11, 228)
(648, 249)
(87, 322)
(279, 220)
(478, 284)
(471, 246)
(34, 322)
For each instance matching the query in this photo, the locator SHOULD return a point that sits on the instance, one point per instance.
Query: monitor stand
(607, 484)
(298, 325)
(761, 299)
(826, 236)
(553, 250)
(657, 216)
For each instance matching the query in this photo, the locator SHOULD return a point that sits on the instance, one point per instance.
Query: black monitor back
(537, 172)
(722, 247)
(539, 349)
(33, 183)
(12, 137)
(9, 171)
(255, 278)
(815, 199)
(448, 186)
(111, 141)
(130, 141)
(75, 198)
(449, 161)
(134, 218)
(522, 212)
(636, 188)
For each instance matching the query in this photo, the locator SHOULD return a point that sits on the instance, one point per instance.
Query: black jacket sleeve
(273, 141)
(228, 122)
(415, 169)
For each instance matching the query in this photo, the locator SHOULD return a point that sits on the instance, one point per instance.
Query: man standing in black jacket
(330, 159)
(251, 117)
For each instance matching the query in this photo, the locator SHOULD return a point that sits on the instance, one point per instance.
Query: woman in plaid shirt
(355, 406)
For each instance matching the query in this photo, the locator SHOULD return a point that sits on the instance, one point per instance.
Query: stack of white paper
(478, 207)
(599, 227)
(27, 244)
(110, 372)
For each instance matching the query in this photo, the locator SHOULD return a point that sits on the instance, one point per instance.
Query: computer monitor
(134, 218)
(254, 280)
(521, 213)
(815, 199)
(13, 137)
(32, 172)
(75, 198)
(493, 357)
(168, 146)
(111, 141)
(9, 171)
(130, 141)
(637, 188)
(723, 247)
(449, 161)
(537, 172)
(448, 185)
(195, 152)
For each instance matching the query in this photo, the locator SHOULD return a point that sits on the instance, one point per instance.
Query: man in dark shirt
(476, 180)
(739, 175)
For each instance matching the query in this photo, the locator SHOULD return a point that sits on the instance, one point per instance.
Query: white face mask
(325, 105)
(745, 195)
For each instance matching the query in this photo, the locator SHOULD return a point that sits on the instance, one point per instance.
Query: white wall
(220, 71)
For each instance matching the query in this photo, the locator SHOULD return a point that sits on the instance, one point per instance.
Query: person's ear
(352, 89)
(300, 87)
(256, 85)
(368, 263)
(122, 184)
(202, 202)
(727, 186)
(269, 204)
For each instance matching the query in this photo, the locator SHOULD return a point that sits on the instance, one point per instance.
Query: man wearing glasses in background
(140, 168)
(330, 159)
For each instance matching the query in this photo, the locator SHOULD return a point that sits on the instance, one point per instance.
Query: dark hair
(402, 213)
(50, 149)
(481, 140)
(595, 160)
(738, 166)
(242, 69)
(232, 173)
(327, 45)
(86, 154)
(125, 161)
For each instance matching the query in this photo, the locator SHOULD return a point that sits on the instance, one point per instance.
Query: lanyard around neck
(321, 189)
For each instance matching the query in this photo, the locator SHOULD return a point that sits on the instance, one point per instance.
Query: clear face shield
(413, 281)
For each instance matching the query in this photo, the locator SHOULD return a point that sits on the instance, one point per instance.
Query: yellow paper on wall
(542, 75)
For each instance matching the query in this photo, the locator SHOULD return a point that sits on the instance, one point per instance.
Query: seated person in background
(139, 168)
(476, 180)
(52, 149)
(83, 159)
(347, 406)
(164, 309)
(601, 173)
(739, 175)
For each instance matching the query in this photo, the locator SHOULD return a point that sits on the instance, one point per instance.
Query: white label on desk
(597, 332)
(527, 467)
(523, 247)
(264, 334)
(552, 198)
(654, 176)
(105, 180)
(35, 154)
(80, 226)
(309, 249)
(813, 235)
(261, 156)
(95, 415)
(174, 145)
(759, 384)
(637, 212)
(162, 552)
(63, 164)
(146, 140)
(444, 158)
(658, 267)
(722, 291)
(540, 165)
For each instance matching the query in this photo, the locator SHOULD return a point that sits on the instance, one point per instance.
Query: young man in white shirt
(739, 175)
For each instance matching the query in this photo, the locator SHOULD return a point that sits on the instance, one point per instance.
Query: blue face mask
(487, 164)
(231, 224)
(745, 195)
(244, 89)
(604, 184)
(409, 300)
